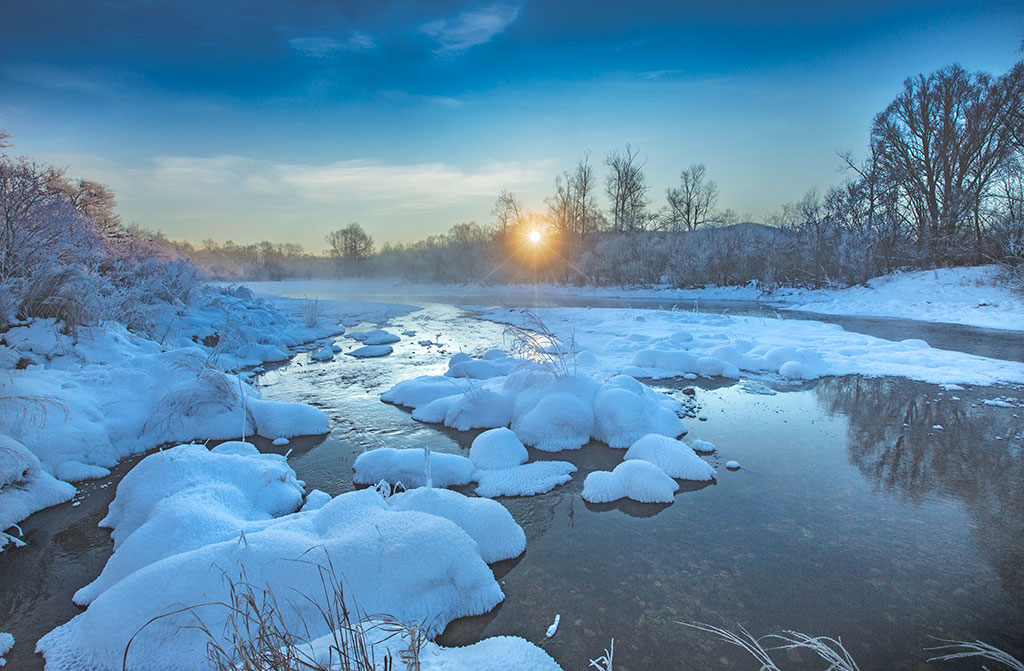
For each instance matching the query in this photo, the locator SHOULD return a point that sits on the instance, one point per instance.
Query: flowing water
(852, 516)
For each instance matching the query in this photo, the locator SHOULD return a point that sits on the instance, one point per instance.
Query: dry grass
(606, 661)
(969, 649)
(832, 651)
(311, 312)
(829, 649)
(536, 343)
(259, 636)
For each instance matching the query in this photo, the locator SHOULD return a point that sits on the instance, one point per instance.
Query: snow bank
(675, 458)
(188, 518)
(638, 480)
(409, 467)
(973, 296)
(24, 486)
(80, 403)
(497, 535)
(669, 344)
(548, 411)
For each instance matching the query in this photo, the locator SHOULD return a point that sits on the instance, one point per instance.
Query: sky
(249, 120)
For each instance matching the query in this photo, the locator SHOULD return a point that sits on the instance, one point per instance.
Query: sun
(534, 237)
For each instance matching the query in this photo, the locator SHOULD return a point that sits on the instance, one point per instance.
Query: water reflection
(975, 457)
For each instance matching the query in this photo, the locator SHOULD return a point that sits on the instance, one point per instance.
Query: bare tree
(941, 142)
(507, 213)
(350, 246)
(626, 187)
(692, 203)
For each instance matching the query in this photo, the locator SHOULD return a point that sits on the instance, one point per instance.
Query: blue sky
(251, 120)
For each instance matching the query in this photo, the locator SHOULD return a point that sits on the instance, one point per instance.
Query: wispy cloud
(410, 187)
(331, 47)
(470, 28)
(659, 74)
(89, 80)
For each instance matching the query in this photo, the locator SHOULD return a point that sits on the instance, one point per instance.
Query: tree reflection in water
(975, 458)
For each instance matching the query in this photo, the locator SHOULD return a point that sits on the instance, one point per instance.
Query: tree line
(942, 183)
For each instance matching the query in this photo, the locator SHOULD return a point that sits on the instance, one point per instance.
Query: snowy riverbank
(77, 401)
(972, 296)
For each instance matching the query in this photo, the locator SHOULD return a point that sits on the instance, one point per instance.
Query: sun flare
(534, 237)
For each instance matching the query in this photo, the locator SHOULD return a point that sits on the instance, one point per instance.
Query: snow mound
(526, 480)
(487, 522)
(498, 653)
(419, 391)
(369, 351)
(186, 497)
(547, 411)
(674, 457)
(284, 419)
(409, 466)
(638, 480)
(497, 448)
(192, 519)
(477, 408)
(625, 410)
(374, 337)
(325, 353)
(703, 447)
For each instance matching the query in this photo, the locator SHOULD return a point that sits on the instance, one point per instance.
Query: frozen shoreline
(971, 296)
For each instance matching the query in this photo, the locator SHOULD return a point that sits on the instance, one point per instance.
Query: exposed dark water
(851, 516)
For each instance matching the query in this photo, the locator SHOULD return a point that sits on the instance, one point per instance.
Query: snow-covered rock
(674, 457)
(497, 448)
(370, 351)
(638, 480)
(409, 466)
(547, 411)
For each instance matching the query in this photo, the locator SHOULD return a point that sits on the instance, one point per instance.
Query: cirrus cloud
(470, 28)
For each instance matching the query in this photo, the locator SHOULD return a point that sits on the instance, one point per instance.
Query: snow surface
(972, 296)
(667, 344)
(498, 653)
(187, 519)
(674, 457)
(638, 480)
